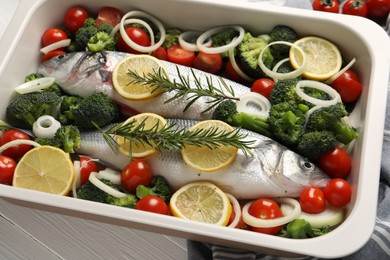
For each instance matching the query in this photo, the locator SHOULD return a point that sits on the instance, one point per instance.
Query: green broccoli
(286, 123)
(48, 141)
(128, 201)
(32, 76)
(171, 38)
(101, 41)
(85, 33)
(224, 37)
(25, 109)
(97, 109)
(158, 187)
(331, 118)
(69, 138)
(227, 111)
(300, 229)
(284, 91)
(53, 88)
(89, 22)
(105, 27)
(248, 55)
(314, 144)
(68, 104)
(282, 33)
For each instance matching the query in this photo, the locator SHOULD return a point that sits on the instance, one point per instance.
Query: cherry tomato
(348, 86)
(178, 55)
(52, 54)
(338, 192)
(263, 86)
(153, 204)
(87, 165)
(265, 209)
(135, 173)
(336, 163)
(7, 169)
(137, 35)
(231, 73)
(331, 6)
(160, 53)
(17, 151)
(240, 224)
(378, 8)
(53, 35)
(355, 7)
(74, 18)
(208, 62)
(109, 15)
(312, 200)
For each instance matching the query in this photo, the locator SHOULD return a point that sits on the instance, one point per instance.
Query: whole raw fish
(82, 73)
(272, 171)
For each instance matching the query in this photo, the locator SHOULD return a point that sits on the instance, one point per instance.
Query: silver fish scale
(272, 171)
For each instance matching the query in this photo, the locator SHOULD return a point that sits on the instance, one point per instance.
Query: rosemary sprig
(183, 87)
(171, 137)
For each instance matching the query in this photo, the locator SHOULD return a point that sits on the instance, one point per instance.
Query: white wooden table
(28, 233)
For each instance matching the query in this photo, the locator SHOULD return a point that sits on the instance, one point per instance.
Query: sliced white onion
(45, 127)
(200, 42)
(132, 44)
(277, 65)
(110, 174)
(16, 143)
(137, 21)
(264, 223)
(265, 37)
(320, 86)
(236, 67)
(258, 101)
(288, 75)
(104, 187)
(237, 210)
(331, 216)
(35, 85)
(338, 74)
(55, 46)
(183, 40)
(76, 182)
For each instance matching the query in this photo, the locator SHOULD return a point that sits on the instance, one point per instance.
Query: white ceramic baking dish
(356, 37)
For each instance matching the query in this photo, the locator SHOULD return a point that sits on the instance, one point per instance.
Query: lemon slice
(323, 57)
(142, 65)
(204, 158)
(201, 202)
(45, 168)
(138, 150)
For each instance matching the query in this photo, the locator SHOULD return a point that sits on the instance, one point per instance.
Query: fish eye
(309, 166)
(61, 56)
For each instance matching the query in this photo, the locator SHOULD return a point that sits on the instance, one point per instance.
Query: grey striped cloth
(378, 246)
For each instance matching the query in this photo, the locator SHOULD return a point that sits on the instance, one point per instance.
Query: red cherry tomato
(208, 62)
(137, 35)
(355, 7)
(7, 169)
(312, 200)
(378, 8)
(153, 204)
(135, 173)
(336, 163)
(338, 192)
(53, 35)
(110, 15)
(160, 53)
(52, 54)
(231, 73)
(265, 209)
(263, 86)
(74, 18)
(87, 165)
(331, 6)
(178, 55)
(17, 151)
(348, 87)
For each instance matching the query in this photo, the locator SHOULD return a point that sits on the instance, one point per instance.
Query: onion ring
(104, 187)
(320, 86)
(190, 46)
(257, 99)
(237, 210)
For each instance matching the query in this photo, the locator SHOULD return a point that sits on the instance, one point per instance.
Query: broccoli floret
(158, 187)
(331, 118)
(48, 141)
(97, 109)
(248, 55)
(128, 201)
(105, 27)
(171, 38)
(222, 38)
(25, 109)
(84, 33)
(314, 144)
(69, 138)
(227, 111)
(286, 123)
(300, 228)
(68, 105)
(282, 33)
(284, 91)
(89, 22)
(90, 192)
(33, 76)
(101, 41)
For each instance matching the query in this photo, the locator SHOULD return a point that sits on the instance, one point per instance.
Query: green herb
(184, 89)
(170, 137)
